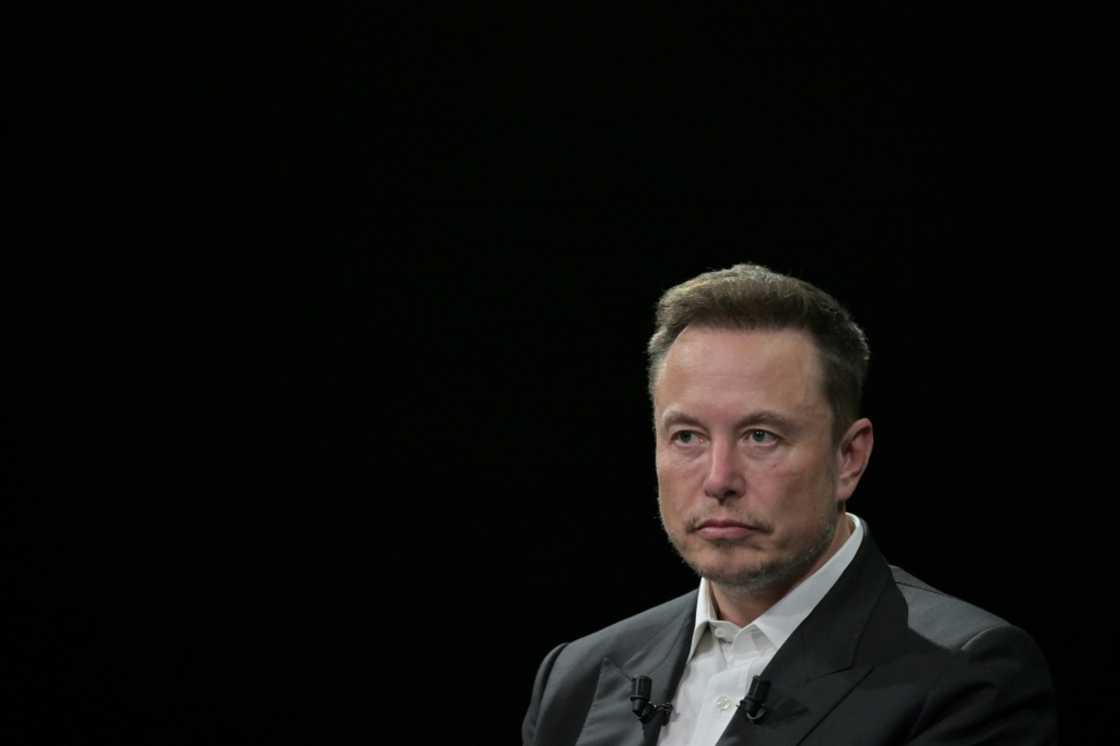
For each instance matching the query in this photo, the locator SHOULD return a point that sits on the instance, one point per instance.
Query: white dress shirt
(724, 657)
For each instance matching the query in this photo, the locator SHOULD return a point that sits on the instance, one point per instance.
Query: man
(799, 632)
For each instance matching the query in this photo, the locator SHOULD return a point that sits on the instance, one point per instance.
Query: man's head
(751, 297)
(757, 451)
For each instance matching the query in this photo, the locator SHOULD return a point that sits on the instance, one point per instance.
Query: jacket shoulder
(625, 637)
(944, 620)
(568, 677)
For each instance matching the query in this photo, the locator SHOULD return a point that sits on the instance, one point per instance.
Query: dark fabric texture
(883, 659)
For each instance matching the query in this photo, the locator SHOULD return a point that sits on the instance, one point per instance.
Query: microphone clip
(752, 703)
(640, 689)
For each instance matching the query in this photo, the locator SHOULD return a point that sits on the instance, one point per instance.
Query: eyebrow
(760, 417)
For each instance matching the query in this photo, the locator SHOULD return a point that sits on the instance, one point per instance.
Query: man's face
(746, 467)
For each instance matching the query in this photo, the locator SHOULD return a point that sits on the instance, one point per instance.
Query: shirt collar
(779, 621)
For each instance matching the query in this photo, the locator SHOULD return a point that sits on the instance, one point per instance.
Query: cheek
(667, 471)
(676, 483)
(807, 493)
(790, 491)
(673, 493)
(669, 491)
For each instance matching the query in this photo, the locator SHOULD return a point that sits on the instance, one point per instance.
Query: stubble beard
(778, 573)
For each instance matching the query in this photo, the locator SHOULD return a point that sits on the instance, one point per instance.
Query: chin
(734, 571)
(757, 571)
(750, 577)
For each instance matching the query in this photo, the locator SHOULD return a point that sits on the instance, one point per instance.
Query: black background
(356, 430)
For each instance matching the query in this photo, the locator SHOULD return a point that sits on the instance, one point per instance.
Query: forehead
(731, 368)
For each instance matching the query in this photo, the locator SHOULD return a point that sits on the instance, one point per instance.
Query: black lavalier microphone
(756, 695)
(640, 689)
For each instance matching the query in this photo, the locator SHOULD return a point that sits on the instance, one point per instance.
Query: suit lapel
(792, 712)
(817, 666)
(610, 720)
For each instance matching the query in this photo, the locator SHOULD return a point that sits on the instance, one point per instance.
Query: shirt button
(724, 703)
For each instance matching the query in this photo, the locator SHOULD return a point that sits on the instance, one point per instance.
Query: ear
(852, 457)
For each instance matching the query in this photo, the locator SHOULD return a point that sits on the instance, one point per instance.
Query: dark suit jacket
(882, 659)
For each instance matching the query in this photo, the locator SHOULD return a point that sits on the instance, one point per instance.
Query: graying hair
(749, 297)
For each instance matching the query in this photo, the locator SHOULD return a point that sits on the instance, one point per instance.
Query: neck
(742, 605)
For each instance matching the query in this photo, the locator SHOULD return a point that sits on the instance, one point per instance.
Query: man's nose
(725, 475)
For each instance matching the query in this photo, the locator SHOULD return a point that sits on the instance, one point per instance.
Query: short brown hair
(750, 296)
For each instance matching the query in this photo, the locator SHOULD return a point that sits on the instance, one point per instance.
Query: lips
(726, 524)
(725, 529)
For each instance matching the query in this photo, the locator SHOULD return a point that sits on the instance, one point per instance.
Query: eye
(685, 437)
(762, 437)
